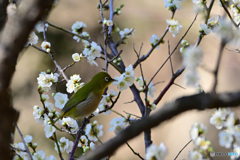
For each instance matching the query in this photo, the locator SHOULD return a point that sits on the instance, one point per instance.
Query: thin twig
(137, 154)
(182, 149)
(18, 149)
(170, 83)
(112, 105)
(170, 59)
(79, 134)
(58, 147)
(215, 72)
(68, 66)
(105, 36)
(54, 61)
(68, 31)
(122, 39)
(173, 49)
(144, 57)
(111, 60)
(24, 142)
(44, 31)
(229, 15)
(132, 114)
(111, 14)
(179, 85)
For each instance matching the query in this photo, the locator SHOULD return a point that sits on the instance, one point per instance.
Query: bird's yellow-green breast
(86, 99)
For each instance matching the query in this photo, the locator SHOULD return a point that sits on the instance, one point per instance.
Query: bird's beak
(113, 80)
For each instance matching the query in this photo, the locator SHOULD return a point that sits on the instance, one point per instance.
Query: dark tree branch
(3, 13)
(199, 101)
(170, 83)
(13, 37)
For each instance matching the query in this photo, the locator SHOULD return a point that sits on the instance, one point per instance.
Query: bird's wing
(76, 98)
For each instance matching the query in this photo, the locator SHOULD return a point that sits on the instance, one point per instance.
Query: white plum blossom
(28, 139)
(129, 71)
(205, 28)
(65, 145)
(225, 139)
(198, 5)
(219, 117)
(71, 123)
(105, 100)
(117, 124)
(197, 130)
(154, 39)
(235, 9)
(60, 100)
(191, 77)
(236, 150)
(83, 142)
(192, 56)
(77, 57)
(73, 85)
(169, 4)
(92, 52)
(140, 81)
(126, 32)
(20, 146)
(46, 46)
(120, 83)
(92, 145)
(51, 157)
(108, 22)
(32, 39)
(174, 27)
(102, 107)
(49, 106)
(202, 143)
(39, 26)
(230, 120)
(39, 155)
(225, 29)
(126, 79)
(195, 155)
(38, 113)
(151, 89)
(44, 97)
(78, 27)
(49, 130)
(94, 131)
(156, 152)
(45, 80)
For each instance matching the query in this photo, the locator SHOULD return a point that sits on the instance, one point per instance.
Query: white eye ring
(106, 79)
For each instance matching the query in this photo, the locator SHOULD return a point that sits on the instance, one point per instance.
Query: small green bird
(85, 101)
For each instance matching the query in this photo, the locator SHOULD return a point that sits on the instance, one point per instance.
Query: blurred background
(147, 18)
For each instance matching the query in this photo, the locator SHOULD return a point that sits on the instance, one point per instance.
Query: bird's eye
(106, 79)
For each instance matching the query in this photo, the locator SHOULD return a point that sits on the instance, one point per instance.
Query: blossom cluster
(126, 79)
(106, 99)
(91, 52)
(118, 124)
(192, 57)
(202, 147)
(45, 80)
(156, 152)
(21, 154)
(229, 136)
(77, 28)
(73, 85)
